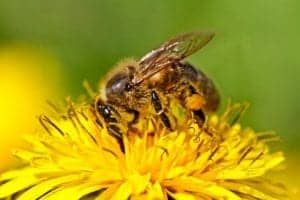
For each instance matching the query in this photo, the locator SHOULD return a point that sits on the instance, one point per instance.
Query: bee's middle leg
(159, 110)
(135, 116)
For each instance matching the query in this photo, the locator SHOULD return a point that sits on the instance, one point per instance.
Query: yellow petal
(245, 189)
(70, 193)
(250, 171)
(138, 182)
(200, 186)
(46, 186)
(17, 184)
(123, 192)
(183, 196)
(155, 192)
(109, 192)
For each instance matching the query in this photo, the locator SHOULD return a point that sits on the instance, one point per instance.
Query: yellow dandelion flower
(75, 158)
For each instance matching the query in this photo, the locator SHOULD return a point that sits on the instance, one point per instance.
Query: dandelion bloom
(74, 157)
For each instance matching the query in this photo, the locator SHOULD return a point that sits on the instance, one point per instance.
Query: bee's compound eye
(117, 84)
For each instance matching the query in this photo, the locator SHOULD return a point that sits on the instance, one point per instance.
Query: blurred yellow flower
(24, 88)
(291, 177)
(75, 158)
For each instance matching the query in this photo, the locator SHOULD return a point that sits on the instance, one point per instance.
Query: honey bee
(148, 85)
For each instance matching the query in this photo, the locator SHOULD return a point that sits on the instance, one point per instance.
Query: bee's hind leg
(199, 116)
(195, 102)
(160, 111)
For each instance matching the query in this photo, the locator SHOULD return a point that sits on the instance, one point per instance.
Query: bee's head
(119, 85)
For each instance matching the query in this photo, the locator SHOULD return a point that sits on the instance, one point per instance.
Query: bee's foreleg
(108, 114)
(159, 110)
(115, 132)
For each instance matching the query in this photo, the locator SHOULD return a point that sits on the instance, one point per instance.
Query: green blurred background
(254, 56)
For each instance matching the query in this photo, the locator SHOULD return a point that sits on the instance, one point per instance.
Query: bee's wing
(171, 51)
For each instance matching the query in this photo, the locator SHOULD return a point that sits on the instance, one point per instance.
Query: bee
(139, 87)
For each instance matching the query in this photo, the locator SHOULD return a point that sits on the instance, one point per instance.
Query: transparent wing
(171, 51)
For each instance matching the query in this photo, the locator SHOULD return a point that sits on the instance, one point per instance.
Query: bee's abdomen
(202, 84)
